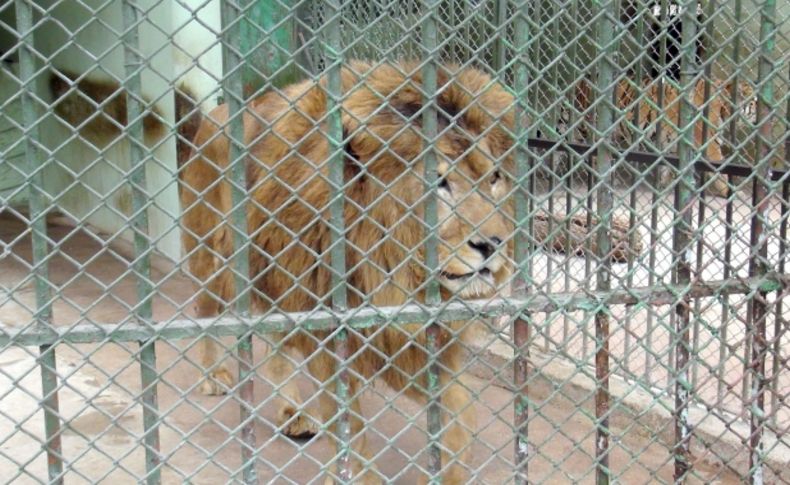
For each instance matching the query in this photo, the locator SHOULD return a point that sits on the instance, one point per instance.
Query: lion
(643, 117)
(288, 217)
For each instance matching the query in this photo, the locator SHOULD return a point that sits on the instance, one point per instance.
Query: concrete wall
(86, 175)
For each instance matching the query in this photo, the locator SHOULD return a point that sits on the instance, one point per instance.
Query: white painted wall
(197, 51)
(87, 182)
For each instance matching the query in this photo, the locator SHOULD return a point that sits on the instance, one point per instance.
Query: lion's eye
(495, 177)
(444, 184)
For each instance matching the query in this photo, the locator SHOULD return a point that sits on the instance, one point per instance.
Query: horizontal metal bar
(650, 158)
(366, 317)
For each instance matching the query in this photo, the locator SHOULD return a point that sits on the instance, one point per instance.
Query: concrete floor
(99, 400)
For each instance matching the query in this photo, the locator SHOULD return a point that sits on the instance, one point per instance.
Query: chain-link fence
(473, 241)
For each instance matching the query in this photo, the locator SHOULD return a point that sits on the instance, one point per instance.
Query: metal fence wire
(481, 241)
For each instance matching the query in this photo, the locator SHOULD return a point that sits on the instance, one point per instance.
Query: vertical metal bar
(736, 59)
(500, 46)
(566, 270)
(603, 171)
(682, 239)
(664, 17)
(38, 226)
(632, 200)
(657, 182)
(233, 66)
(429, 39)
(142, 244)
(728, 215)
(725, 303)
(334, 59)
(707, 32)
(778, 325)
(524, 224)
(549, 229)
(588, 242)
(758, 255)
(651, 273)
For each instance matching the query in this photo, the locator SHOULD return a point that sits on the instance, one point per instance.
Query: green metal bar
(233, 68)
(736, 59)
(656, 185)
(334, 57)
(729, 210)
(632, 199)
(267, 41)
(605, 85)
(522, 245)
(682, 240)
(361, 318)
(759, 263)
(142, 244)
(783, 253)
(664, 18)
(500, 43)
(707, 34)
(429, 40)
(38, 224)
(778, 321)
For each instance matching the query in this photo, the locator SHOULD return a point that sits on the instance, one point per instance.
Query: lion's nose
(486, 248)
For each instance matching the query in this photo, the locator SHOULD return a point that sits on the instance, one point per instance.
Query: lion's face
(387, 146)
(473, 229)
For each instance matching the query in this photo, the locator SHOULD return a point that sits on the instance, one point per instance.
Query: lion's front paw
(217, 382)
(293, 425)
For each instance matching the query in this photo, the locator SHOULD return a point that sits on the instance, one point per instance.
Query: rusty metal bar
(588, 244)
(524, 210)
(779, 328)
(604, 120)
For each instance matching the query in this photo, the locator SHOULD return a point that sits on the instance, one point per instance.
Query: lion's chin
(479, 284)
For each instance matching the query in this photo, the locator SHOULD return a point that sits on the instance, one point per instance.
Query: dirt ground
(100, 404)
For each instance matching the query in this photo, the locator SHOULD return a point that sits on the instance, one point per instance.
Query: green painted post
(759, 263)
(333, 49)
(138, 156)
(233, 67)
(522, 186)
(605, 85)
(38, 224)
(683, 233)
(267, 42)
(429, 38)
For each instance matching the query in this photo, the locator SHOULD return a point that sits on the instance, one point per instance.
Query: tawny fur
(289, 262)
(643, 114)
(383, 168)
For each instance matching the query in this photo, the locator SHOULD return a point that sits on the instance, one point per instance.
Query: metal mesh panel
(472, 241)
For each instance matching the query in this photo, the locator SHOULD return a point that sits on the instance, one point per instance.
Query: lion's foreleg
(322, 367)
(280, 371)
(459, 421)
(218, 377)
